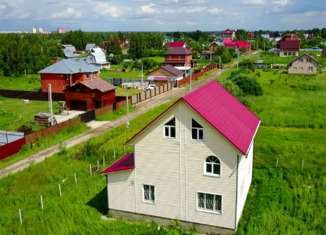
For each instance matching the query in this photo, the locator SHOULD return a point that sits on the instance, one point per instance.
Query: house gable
(161, 72)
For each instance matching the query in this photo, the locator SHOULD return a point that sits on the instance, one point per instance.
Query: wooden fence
(197, 75)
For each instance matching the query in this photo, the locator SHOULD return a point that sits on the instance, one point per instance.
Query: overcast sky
(162, 15)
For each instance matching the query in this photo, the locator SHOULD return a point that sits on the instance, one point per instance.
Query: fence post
(59, 190)
(90, 169)
(75, 178)
(20, 216)
(104, 161)
(98, 165)
(276, 162)
(302, 163)
(41, 202)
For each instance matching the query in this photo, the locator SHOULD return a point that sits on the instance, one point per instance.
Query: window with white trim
(212, 166)
(209, 202)
(169, 129)
(94, 75)
(197, 131)
(87, 75)
(169, 57)
(310, 69)
(179, 57)
(148, 193)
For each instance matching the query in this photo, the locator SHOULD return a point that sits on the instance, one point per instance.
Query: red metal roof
(228, 31)
(176, 44)
(226, 40)
(224, 112)
(243, 44)
(125, 163)
(188, 48)
(231, 44)
(178, 51)
(289, 45)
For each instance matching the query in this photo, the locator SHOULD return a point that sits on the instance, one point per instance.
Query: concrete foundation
(200, 228)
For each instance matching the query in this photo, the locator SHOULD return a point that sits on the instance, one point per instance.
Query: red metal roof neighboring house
(243, 44)
(231, 44)
(224, 112)
(188, 48)
(289, 45)
(178, 51)
(250, 35)
(125, 163)
(228, 31)
(176, 44)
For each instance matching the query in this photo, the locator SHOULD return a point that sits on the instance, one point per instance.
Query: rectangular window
(197, 131)
(169, 57)
(87, 75)
(94, 75)
(179, 57)
(308, 60)
(209, 202)
(169, 129)
(301, 68)
(285, 53)
(148, 193)
(310, 69)
(300, 60)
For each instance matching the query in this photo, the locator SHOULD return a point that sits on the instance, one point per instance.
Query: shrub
(232, 88)
(245, 102)
(258, 74)
(248, 84)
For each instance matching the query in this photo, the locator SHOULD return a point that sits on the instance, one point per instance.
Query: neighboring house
(251, 35)
(324, 53)
(90, 46)
(215, 45)
(242, 44)
(69, 46)
(303, 64)
(65, 73)
(177, 44)
(90, 95)
(167, 72)
(97, 56)
(207, 55)
(226, 40)
(167, 39)
(180, 58)
(229, 34)
(310, 35)
(69, 51)
(266, 36)
(231, 44)
(193, 163)
(289, 45)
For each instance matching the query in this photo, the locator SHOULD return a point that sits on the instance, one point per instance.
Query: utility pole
(127, 124)
(50, 103)
(219, 67)
(142, 75)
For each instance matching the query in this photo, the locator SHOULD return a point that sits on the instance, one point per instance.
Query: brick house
(65, 73)
(193, 163)
(229, 34)
(180, 58)
(289, 45)
(90, 95)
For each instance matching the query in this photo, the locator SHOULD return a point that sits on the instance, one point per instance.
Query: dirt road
(107, 126)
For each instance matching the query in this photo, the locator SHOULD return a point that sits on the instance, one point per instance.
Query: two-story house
(97, 56)
(303, 64)
(194, 163)
(180, 58)
(65, 73)
(229, 34)
(289, 45)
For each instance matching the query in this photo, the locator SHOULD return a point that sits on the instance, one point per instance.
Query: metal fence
(236, 73)
(7, 137)
(120, 81)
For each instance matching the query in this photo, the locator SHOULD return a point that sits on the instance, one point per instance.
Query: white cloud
(215, 11)
(148, 9)
(68, 13)
(253, 2)
(190, 22)
(2, 7)
(194, 9)
(104, 9)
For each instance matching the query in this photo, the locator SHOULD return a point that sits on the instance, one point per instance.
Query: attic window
(197, 131)
(169, 129)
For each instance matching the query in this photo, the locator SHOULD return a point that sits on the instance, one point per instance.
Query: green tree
(113, 46)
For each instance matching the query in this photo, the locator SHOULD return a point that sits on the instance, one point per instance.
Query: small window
(301, 68)
(87, 75)
(285, 53)
(300, 60)
(197, 131)
(179, 57)
(310, 69)
(169, 57)
(104, 102)
(94, 75)
(209, 202)
(308, 60)
(169, 129)
(212, 166)
(148, 193)
(295, 68)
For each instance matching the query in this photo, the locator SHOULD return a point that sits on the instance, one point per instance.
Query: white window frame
(94, 75)
(205, 210)
(197, 131)
(179, 57)
(143, 194)
(175, 129)
(169, 57)
(212, 174)
(285, 53)
(87, 76)
(312, 69)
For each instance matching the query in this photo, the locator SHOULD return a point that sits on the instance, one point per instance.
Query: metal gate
(88, 116)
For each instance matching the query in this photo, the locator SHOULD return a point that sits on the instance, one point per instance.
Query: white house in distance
(193, 163)
(97, 56)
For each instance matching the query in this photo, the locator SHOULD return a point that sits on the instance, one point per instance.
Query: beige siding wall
(303, 67)
(288, 53)
(176, 168)
(244, 180)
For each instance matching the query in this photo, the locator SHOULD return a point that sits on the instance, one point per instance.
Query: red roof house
(204, 139)
(242, 44)
(229, 34)
(107, 41)
(227, 40)
(231, 44)
(289, 45)
(178, 57)
(90, 95)
(250, 35)
(177, 44)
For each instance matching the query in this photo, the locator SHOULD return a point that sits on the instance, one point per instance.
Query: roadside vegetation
(115, 114)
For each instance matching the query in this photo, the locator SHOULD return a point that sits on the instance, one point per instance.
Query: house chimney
(55, 60)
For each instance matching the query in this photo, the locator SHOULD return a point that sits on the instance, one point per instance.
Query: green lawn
(131, 75)
(270, 58)
(15, 109)
(115, 114)
(29, 82)
(158, 59)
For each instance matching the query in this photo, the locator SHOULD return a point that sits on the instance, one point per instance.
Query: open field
(15, 109)
(131, 75)
(158, 59)
(81, 206)
(29, 82)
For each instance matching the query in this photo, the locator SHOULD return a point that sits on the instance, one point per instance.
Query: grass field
(81, 206)
(131, 75)
(15, 109)
(115, 114)
(158, 59)
(29, 82)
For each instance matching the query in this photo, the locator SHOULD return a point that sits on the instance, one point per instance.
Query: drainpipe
(70, 79)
